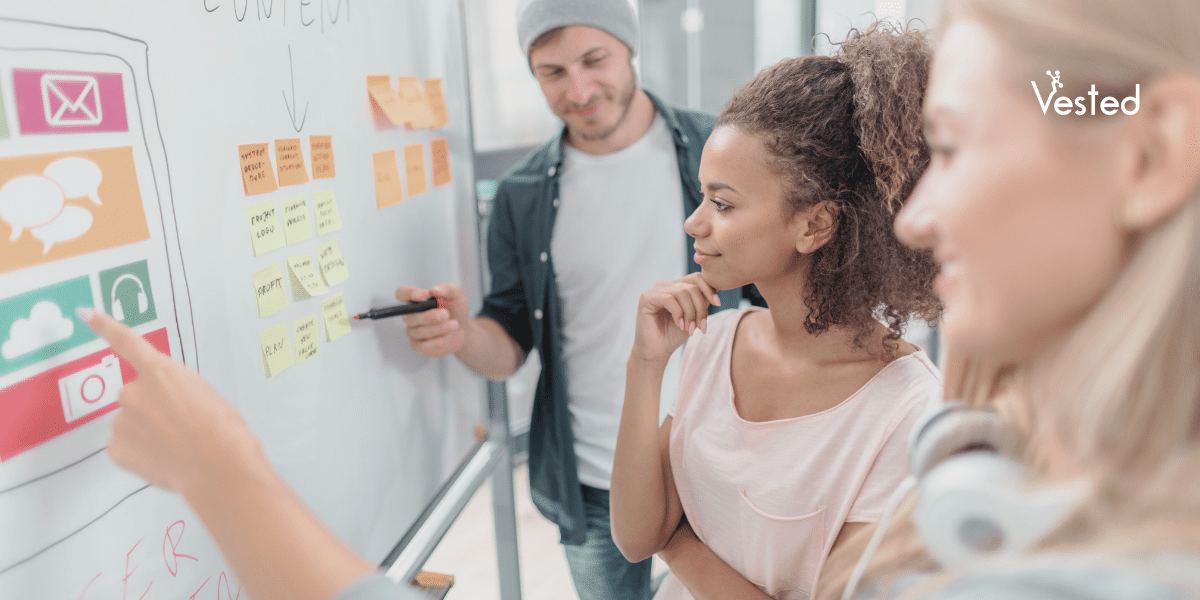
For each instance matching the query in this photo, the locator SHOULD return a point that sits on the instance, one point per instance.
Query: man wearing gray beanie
(579, 229)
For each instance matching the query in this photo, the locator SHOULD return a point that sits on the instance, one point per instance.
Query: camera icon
(87, 391)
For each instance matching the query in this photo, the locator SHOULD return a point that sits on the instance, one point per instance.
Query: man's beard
(625, 101)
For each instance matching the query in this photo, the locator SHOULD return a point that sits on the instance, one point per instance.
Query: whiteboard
(123, 126)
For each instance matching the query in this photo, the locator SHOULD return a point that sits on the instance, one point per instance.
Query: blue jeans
(598, 568)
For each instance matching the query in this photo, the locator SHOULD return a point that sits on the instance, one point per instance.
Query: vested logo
(1064, 105)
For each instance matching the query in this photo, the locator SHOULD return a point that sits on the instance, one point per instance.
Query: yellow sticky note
(295, 220)
(419, 114)
(325, 210)
(414, 168)
(305, 275)
(265, 233)
(337, 323)
(276, 349)
(384, 98)
(257, 175)
(439, 151)
(268, 290)
(333, 266)
(321, 147)
(437, 102)
(387, 179)
(289, 160)
(305, 332)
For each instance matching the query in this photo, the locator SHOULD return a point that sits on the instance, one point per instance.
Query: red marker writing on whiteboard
(402, 309)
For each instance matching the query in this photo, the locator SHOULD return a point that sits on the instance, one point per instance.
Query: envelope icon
(71, 100)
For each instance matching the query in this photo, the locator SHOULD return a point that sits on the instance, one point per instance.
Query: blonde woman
(1070, 253)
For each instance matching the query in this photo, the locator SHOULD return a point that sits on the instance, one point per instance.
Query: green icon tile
(127, 295)
(37, 325)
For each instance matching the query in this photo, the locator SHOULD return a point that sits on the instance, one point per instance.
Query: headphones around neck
(975, 501)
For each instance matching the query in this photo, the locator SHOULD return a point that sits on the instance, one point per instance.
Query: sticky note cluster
(410, 103)
(388, 190)
(259, 176)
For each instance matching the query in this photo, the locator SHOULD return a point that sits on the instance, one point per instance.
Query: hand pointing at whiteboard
(176, 431)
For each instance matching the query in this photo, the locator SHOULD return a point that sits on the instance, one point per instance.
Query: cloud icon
(44, 326)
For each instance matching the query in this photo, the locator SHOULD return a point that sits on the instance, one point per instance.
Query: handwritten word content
(333, 266)
(315, 14)
(321, 149)
(305, 332)
(289, 158)
(276, 349)
(257, 175)
(265, 233)
(337, 323)
(303, 274)
(268, 290)
(295, 220)
(325, 208)
(387, 179)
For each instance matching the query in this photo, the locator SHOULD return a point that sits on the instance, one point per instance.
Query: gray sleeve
(1060, 584)
(378, 587)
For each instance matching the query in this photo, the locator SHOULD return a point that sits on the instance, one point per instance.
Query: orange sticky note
(387, 179)
(321, 147)
(289, 159)
(419, 113)
(414, 168)
(437, 103)
(386, 98)
(439, 149)
(257, 175)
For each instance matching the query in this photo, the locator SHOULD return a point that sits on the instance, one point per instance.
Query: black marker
(402, 309)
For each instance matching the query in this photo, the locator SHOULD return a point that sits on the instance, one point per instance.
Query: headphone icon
(118, 310)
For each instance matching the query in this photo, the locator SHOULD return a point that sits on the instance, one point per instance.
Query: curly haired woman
(789, 428)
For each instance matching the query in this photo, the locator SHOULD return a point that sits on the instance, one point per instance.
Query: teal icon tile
(127, 295)
(40, 324)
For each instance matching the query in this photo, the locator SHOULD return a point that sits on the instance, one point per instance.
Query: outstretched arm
(178, 433)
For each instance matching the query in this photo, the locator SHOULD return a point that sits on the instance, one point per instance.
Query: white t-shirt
(619, 231)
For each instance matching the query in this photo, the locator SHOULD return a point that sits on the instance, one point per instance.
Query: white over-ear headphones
(975, 501)
(118, 311)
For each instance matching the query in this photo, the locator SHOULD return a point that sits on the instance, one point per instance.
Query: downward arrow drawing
(292, 108)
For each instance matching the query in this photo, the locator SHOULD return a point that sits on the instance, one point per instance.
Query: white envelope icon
(71, 100)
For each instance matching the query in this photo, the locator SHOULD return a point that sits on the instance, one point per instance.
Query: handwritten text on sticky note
(268, 290)
(302, 270)
(265, 232)
(337, 323)
(439, 151)
(387, 179)
(437, 102)
(295, 219)
(276, 349)
(333, 266)
(325, 210)
(305, 332)
(257, 175)
(321, 148)
(414, 168)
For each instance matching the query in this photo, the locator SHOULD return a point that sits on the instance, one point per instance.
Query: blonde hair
(1121, 399)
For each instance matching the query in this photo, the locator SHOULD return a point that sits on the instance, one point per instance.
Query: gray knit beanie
(535, 17)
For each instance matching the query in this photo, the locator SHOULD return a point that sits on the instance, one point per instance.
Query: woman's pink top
(769, 498)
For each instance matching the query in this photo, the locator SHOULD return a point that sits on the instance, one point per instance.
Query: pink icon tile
(69, 101)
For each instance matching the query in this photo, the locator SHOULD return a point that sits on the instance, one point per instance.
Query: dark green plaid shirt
(524, 300)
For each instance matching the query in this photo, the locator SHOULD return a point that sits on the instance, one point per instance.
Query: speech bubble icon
(77, 176)
(71, 223)
(29, 201)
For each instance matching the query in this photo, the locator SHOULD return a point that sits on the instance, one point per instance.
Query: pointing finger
(131, 346)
